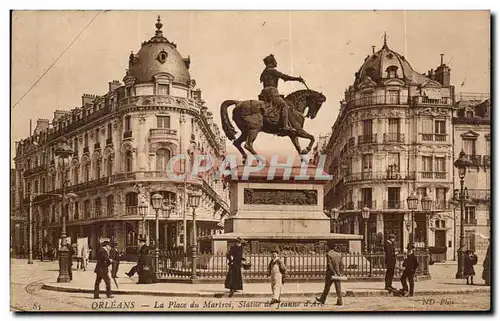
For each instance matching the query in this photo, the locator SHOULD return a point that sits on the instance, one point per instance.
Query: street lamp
(426, 207)
(143, 211)
(365, 212)
(461, 164)
(63, 154)
(412, 202)
(194, 201)
(157, 200)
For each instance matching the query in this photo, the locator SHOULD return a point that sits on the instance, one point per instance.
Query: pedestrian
(234, 280)
(276, 271)
(101, 270)
(486, 267)
(334, 270)
(469, 262)
(115, 256)
(410, 264)
(390, 261)
(144, 266)
(133, 270)
(85, 257)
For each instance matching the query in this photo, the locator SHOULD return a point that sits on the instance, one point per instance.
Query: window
(488, 146)
(86, 209)
(162, 121)
(36, 187)
(367, 162)
(128, 161)
(393, 196)
(163, 90)
(75, 175)
(110, 130)
(393, 96)
(97, 169)
(109, 166)
(394, 127)
(440, 164)
(367, 127)
(391, 71)
(110, 205)
(441, 198)
(86, 140)
(427, 163)
(98, 207)
(470, 215)
(162, 159)
(75, 145)
(469, 113)
(421, 192)
(86, 173)
(129, 91)
(427, 125)
(469, 146)
(42, 185)
(127, 124)
(393, 159)
(440, 127)
(76, 215)
(366, 196)
(97, 135)
(53, 182)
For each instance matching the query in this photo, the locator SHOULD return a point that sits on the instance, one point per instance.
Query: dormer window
(392, 72)
(162, 56)
(469, 113)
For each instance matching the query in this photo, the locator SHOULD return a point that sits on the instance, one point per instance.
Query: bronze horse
(252, 117)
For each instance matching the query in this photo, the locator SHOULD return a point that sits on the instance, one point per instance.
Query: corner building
(122, 143)
(393, 136)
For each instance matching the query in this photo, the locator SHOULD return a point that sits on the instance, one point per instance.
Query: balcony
(474, 159)
(127, 134)
(349, 206)
(388, 175)
(394, 205)
(440, 175)
(369, 204)
(367, 139)
(34, 170)
(425, 101)
(486, 160)
(131, 210)
(470, 222)
(434, 137)
(375, 100)
(441, 205)
(394, 138)
(352, 142)
(162, 133)
(97, 146)
(86, 150)
(479, 194)
(109, 141)
(90, 184)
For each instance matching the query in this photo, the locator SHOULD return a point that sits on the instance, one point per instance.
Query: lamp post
(143, 212)
(194, 201)
(157, 200)
(461, 164)
(30, 236)
(365, 212)
(63, 154)
(412, 202)
(426, 207)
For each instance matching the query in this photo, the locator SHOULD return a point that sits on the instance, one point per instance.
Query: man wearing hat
(276, 271)
(114, 255)
(101, 270)
(334, 270)
(144, 266)
(410, 264)
(234, 280)
(390, 261)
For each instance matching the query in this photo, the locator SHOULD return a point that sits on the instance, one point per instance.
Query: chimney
(41, 125)
(443, 73)
(113, 85)
(373, 50)
(88, 99)
(442, 56)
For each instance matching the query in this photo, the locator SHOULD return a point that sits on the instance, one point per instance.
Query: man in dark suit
(334, 269)
(390, 261)
(133, 270)
(144, 264)
(410, 264)
(101, 270)
(234, 279)
(114, 255)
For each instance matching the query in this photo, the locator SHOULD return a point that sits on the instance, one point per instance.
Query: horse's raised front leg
(251, 136)
(303, 134)
(237, 143)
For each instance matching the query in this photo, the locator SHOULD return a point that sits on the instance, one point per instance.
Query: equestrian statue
(272, 113)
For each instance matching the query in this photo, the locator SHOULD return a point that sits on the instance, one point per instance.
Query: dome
(385, 64)
(158, 55)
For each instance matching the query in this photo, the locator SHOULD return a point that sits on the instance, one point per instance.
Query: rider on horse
(270, 94)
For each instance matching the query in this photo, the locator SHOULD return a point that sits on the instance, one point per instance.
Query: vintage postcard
(239, 161)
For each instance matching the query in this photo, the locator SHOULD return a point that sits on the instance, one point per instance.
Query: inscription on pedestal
(280, 196)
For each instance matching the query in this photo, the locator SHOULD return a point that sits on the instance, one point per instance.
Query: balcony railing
(352, 141)
(127, 134)
(97, 146)
(441, 205)
(434, 137)
(35, 170)
(486, 160)
(394, 205)
(109, 141)
(475, 159)
(369, 204)
(349, 206)
(394, 138)
(388, 175)
(440, 175)
(479, 194)
(367, 139)
(433, 175)
(470, 222)
(375, 100)
(131, 210)
(422, 100)
(162, 133)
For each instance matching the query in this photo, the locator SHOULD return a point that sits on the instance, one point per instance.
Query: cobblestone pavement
(27, 295)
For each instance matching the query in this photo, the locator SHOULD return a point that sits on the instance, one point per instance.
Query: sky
(226, 48)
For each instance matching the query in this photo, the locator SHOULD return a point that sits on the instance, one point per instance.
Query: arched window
(86, 172)
(128, 161)
(110, 205)
(98, 207)
(109, 166)
(162, 159)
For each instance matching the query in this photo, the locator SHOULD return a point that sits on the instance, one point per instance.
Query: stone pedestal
(284, 212)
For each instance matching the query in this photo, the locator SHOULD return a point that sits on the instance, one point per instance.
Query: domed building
(122, 143)
(392, 138)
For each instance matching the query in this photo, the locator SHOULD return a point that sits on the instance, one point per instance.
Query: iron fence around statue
(177, 265)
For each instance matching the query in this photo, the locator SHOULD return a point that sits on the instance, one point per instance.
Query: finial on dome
(158, 26)
(385, 39)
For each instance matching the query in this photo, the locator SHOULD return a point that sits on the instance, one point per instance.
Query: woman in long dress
(234, 280)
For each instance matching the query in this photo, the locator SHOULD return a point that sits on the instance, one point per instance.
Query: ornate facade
(471, 128)
(122, 142)
(392, 137)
